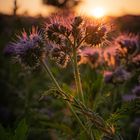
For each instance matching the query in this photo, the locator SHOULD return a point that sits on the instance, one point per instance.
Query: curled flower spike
(57, 19)
(128, 51)
(119, 76)
(27, 49)
(129, 44)
(96, 33)
(58, 55)
(57, 28)
(96, 57)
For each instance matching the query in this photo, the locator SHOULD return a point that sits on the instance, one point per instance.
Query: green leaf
(21, 131)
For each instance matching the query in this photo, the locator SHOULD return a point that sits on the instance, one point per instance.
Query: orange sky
(111, 7)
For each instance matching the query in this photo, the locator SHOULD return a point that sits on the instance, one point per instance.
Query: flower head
(58, 55)
(120, 75)
(97, 57)
(96, 33)
(27, 49)
(58, 27)
(128, 51)
(129, 44)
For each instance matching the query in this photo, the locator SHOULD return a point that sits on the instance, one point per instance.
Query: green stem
(73, 111)
(50, 74)
(77, 75)
(59, 88)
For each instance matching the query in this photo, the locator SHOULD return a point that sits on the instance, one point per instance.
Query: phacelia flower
(95, 35)
(120, 75)
(27, 49)
(97, 57)
(58, 27)
(129, 44)
(58, 55)
(128, 51)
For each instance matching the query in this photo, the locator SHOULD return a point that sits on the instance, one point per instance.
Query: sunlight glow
(98, 12)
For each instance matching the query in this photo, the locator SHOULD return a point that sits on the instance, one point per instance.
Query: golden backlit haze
(106, 7)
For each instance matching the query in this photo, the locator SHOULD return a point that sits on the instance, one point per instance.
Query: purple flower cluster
(97, 57)
(129, 44)
(120, 75)
(128, 50)
(27, 49)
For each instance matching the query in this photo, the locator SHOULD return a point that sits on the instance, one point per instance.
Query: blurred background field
(20, 92)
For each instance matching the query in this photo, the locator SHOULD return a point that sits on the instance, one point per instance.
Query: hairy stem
(59, 89)
(77, 75)
(50, 74)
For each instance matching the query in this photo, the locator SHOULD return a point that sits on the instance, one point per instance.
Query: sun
(97, 12)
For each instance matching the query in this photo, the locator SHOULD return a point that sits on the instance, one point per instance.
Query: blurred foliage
(20, 133)
(62, 3)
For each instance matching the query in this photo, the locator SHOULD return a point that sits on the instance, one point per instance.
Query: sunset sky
(110, 7)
